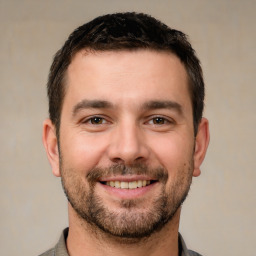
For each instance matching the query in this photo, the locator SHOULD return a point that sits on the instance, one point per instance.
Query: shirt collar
(183, 247)
(61, 249)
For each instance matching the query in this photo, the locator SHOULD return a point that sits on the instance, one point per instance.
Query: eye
(158, 120)
(95, 120)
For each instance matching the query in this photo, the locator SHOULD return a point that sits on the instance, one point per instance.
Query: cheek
(173, 152)
(82, 152)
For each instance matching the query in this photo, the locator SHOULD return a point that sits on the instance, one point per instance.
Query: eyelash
(161, 119)
(90, 119)
(101, 120)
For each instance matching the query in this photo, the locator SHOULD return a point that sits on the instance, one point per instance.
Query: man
(125, 134)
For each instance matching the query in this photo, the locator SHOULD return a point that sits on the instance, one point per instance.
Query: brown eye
(159, 120)
(96, 120)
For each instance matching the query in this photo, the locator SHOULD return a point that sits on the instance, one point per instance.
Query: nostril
(118, 160)
(127, 162)
(139, 159)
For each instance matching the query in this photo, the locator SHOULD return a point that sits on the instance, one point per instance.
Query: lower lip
(128, 193)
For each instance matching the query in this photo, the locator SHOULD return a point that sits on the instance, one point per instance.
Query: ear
(51, 146)
(201, 145)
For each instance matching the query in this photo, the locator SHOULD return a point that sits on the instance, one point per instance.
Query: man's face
(126, 140)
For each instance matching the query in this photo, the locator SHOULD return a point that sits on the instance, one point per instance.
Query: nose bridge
(127, 145)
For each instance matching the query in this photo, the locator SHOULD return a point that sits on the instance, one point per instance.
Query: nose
(128, 145)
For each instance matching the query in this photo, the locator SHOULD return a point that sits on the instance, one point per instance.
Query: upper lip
(126, 178)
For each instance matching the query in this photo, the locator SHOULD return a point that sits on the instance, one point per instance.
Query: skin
(126, 132)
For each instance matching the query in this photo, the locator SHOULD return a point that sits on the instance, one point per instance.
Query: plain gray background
(218, 218)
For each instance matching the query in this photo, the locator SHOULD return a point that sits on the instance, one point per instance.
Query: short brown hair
(125, 31)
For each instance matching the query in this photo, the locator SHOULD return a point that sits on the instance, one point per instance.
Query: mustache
(158, 173)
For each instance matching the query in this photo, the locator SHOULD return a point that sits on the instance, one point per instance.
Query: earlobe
(51, 146)
(201, 145)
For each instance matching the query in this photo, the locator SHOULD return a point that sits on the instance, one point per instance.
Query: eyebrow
(149, 105)
(166, 104)
(85, 104)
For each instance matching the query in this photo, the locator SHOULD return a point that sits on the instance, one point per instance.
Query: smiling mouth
(128, 185)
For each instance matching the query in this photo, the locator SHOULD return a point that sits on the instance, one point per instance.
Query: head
(126, 132)
(125, 31)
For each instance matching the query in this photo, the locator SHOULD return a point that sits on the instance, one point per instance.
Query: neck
(83, 239)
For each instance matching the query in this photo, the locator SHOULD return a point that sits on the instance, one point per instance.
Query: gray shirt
(60, 248)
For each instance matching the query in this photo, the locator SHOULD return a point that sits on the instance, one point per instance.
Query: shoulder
(192, 253)
(48, 253)
(184, 249)
(60, 248)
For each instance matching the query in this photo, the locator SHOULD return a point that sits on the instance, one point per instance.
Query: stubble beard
(130, 221)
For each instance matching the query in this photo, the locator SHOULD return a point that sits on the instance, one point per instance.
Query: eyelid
(169, 120)
(89, 118)
(106, 120)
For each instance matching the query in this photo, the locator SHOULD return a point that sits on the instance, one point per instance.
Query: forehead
(123, 75)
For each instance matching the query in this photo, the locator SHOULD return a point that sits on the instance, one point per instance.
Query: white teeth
(124, 184)
(117, 184)
(128, 185)
(132, 184)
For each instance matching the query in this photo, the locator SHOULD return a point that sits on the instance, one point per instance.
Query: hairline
(95, 50)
